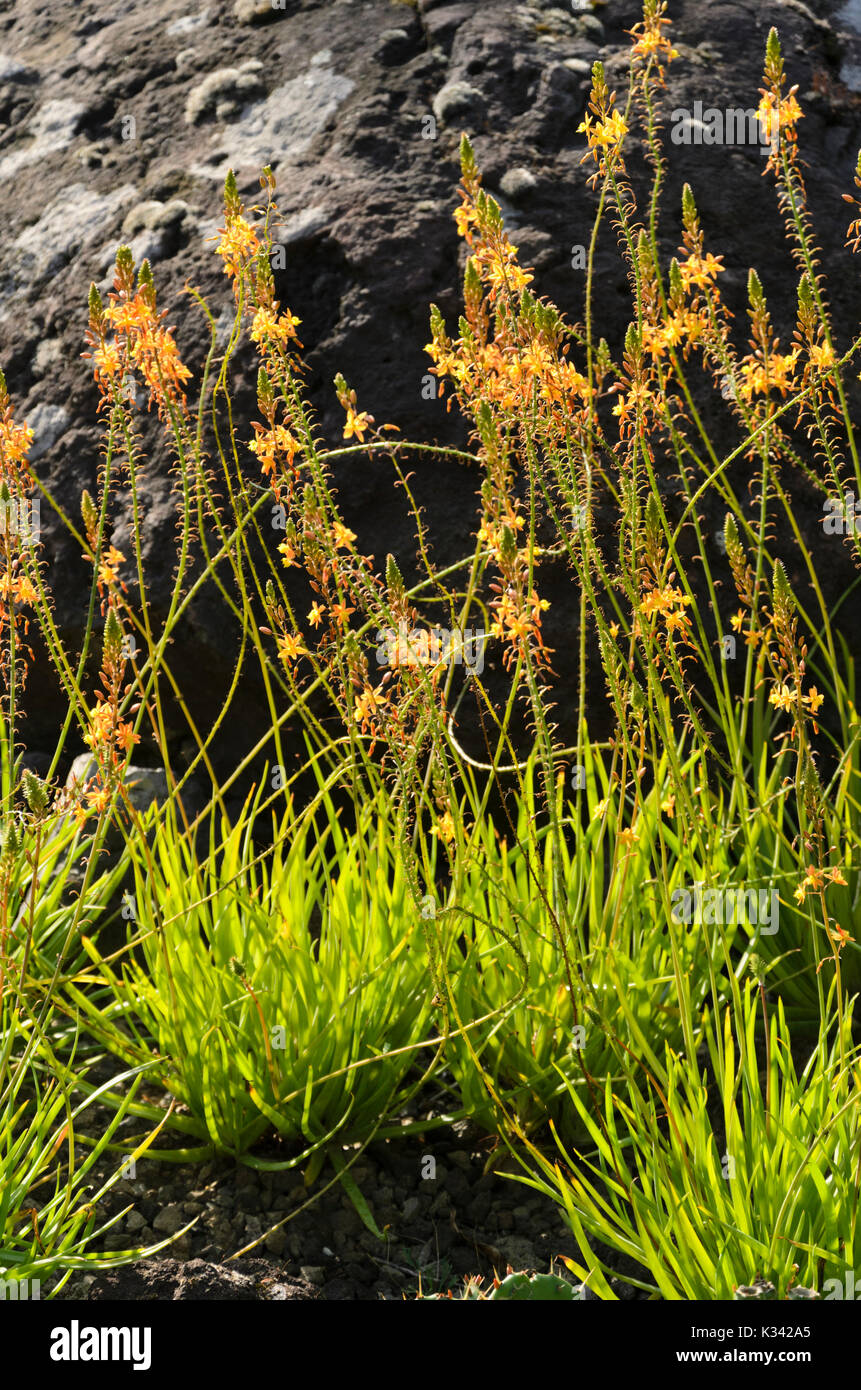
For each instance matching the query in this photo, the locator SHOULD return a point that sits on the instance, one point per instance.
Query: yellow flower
(783, 697)
(464, 216)
(278, 328)
(101, 725)
(814, 699)
(676, 621)
(367, 705)
(109, 564)
(788, 114)
(315, 617)
(444, 828)
(288, 554)
(289, 647)
(357, 424)
(822, 356)
(736, 620)
(238, 243)
(700, 270)
(342, 536)
(106, 360)
(610, 131)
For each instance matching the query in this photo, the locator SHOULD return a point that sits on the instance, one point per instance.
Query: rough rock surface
(119, 122)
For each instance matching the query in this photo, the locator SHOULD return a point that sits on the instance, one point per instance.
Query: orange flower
(788, 114)
(342, 536)
(340, 612)
(126, 737)
(108, 566)
(15, 441)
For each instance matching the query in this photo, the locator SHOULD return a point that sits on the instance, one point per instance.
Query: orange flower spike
(650, 41)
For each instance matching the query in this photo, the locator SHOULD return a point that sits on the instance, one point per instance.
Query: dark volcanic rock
(119, 122)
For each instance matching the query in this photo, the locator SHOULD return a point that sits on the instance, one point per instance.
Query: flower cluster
(651, 43)
(110, 736)
(605, 128)
(670, 603)
(785, 698)
(815, 880)
(140, 342)
(17, 560)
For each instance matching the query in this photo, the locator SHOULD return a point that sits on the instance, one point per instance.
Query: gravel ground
(437, 1229)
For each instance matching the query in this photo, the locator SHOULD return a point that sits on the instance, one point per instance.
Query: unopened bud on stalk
(689, 207)
(10, 841)
(394, 580)
(113, 643)
(232, 202)
(265, 393)
(677, 284)
(805, 293)
(125, 265)
(88, 512)
(35, 793)
(755, 292)
(783, 601)
(467, 157)
(508, 544)
(97, 312)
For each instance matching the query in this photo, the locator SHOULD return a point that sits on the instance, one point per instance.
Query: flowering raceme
(651, 43)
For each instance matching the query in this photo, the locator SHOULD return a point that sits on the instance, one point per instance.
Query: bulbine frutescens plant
(556, 980)
(285, 990)
(709, 1185)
